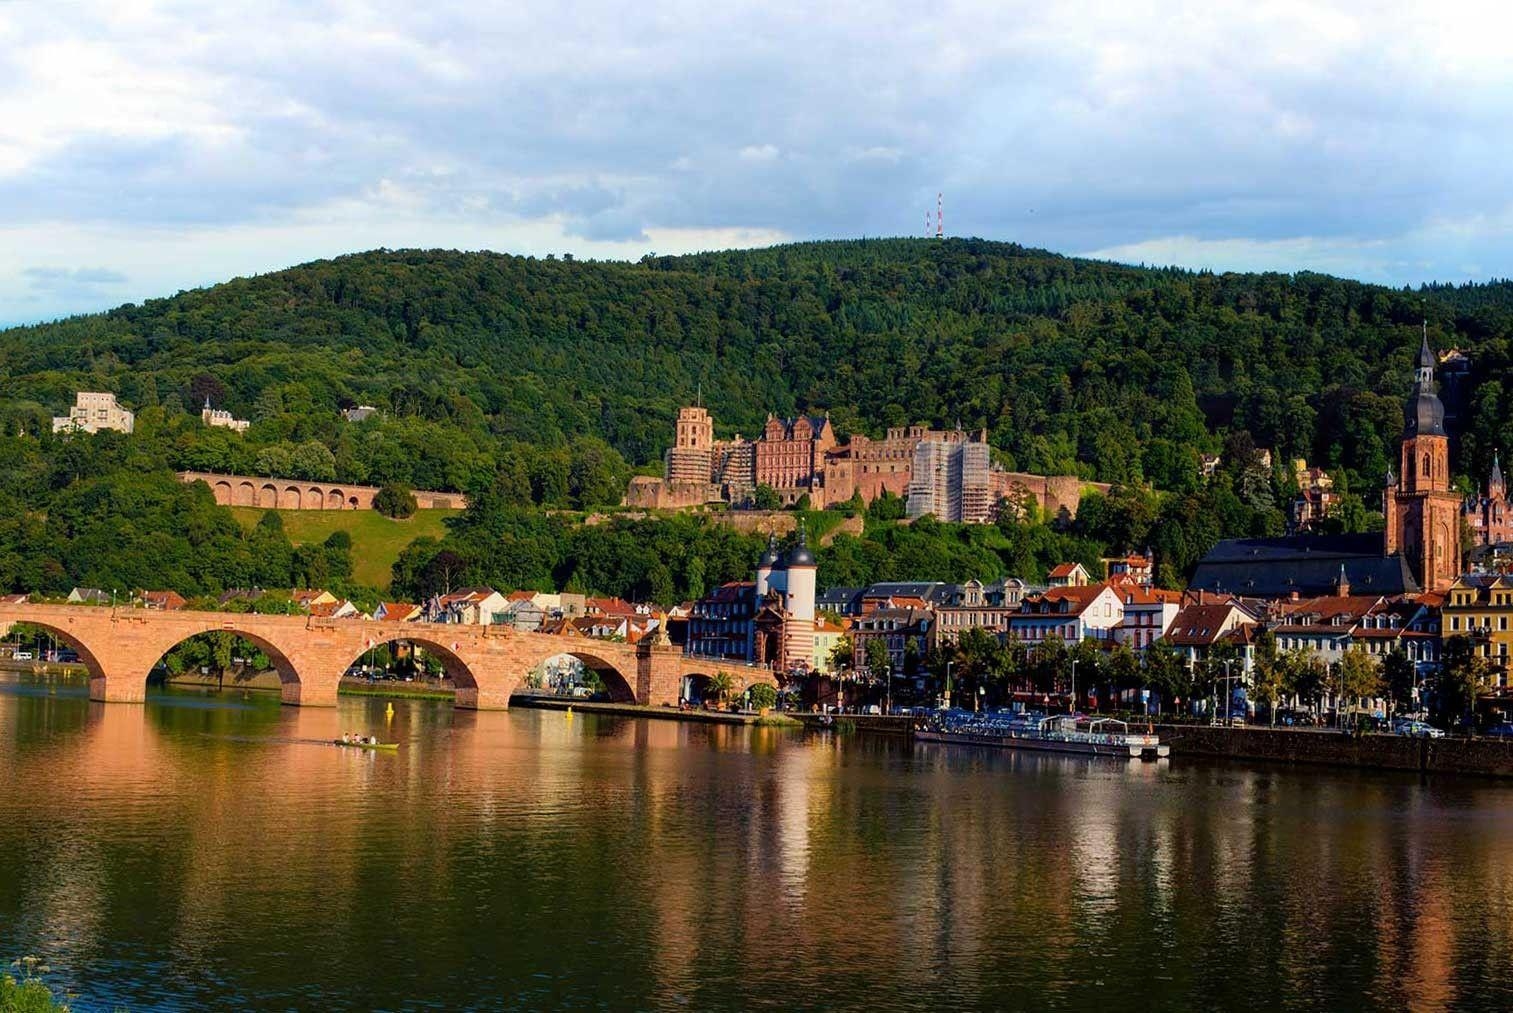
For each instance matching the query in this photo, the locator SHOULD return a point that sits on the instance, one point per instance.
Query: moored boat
(1063, 733)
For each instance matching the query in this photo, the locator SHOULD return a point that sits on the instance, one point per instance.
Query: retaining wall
(1487, 757)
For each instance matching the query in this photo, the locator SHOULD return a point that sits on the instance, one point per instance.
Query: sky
(149, 147)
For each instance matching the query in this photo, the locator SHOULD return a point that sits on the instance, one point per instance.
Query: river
(210, 852)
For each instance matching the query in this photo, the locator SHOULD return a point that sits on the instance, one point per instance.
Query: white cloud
(243, 138)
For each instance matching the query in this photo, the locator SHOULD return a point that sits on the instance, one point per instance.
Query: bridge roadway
(119, 647)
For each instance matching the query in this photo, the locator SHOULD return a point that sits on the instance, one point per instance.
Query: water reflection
(202, 851)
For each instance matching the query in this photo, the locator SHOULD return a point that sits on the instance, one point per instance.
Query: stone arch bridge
(120, 646)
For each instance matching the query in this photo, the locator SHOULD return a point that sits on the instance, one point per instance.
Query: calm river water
(210, 853)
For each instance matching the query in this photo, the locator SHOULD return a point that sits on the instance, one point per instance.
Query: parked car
(1417, 729)
(22, 655)
(1502, 731)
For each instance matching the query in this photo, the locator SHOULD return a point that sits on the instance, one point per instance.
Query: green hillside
(376, 540)
(538, 384)
(1111, 371)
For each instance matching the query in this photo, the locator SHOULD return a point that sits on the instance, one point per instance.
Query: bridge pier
(308, 694)
(117, 689)
(477, 698)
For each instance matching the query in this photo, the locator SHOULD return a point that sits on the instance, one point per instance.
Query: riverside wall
(1480, 756)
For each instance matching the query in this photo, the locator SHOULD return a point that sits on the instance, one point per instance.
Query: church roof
(1424, 415)
(1306, 565)
(1425, 356)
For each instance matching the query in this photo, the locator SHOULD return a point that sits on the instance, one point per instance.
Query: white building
(784, 594)
(1148, 613)
(1072, 614)
(92, 412)
(222, 419)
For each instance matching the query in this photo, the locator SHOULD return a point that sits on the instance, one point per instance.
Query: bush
(394, 500)
(763, 696)
(29, 995)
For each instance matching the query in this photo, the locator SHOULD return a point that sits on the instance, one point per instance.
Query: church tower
(1423, 512)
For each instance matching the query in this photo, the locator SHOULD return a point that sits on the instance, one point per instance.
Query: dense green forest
(534, 383)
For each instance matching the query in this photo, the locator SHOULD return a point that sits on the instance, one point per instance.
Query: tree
(762, 696)
(975, 659)
(766, 498)
(1267, 680)
(888, 507)
(1124, 669)
(1165, 671)
(720, 684)
(878, 657)
(1401, 678)
(841, 655)
(1464, 676)
(395, 500)
(1360, 675)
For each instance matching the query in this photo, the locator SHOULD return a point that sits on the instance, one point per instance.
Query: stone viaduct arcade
(120, 646)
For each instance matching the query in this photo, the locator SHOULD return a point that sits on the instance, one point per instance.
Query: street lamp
(948, 684)
(1074, 685)
(887, 690)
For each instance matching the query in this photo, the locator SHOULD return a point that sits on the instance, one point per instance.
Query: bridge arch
(620, 685)
(290, 683)
(87, 657)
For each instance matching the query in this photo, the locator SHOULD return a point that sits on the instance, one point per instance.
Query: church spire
(1425, 414)
(1425, 361)
(1494, 483)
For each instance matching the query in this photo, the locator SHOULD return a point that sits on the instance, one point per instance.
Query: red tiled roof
(1064, 570)
(1200, 625)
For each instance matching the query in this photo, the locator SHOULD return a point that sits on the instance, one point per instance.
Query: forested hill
(1115, 372)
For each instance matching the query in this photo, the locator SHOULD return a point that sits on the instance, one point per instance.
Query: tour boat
(367, 745)
(1057, 734)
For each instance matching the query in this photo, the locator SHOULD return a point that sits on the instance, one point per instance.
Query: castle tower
(799, 602)
(1423, 512)
(691, 458)
(764, 568)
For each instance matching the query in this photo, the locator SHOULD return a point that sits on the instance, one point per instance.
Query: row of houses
(1124, 609)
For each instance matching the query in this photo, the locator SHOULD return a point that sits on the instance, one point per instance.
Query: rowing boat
(367, 745)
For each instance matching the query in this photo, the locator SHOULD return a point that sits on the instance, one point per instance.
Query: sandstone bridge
(120, 646)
